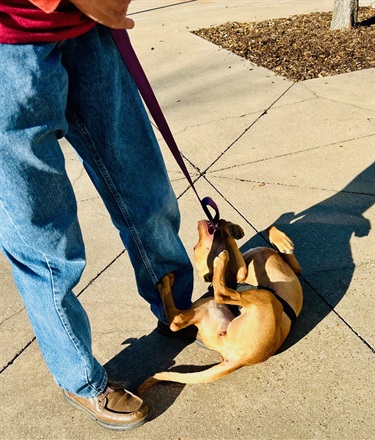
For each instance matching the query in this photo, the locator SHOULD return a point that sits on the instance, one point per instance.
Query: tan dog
(267, 310)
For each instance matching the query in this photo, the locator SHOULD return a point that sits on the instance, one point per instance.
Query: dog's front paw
(223, 257)
(177, 323)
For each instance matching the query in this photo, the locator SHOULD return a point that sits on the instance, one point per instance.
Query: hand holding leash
(111, 13)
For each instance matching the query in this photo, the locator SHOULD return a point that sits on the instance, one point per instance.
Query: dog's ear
(233, 230)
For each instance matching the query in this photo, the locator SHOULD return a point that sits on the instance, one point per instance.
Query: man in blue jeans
(61, 75)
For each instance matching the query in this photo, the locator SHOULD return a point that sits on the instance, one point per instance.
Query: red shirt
(21, 21)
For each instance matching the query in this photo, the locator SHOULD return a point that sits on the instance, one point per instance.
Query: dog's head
(211, 241)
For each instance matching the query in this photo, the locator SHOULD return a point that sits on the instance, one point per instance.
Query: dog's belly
(215, 320)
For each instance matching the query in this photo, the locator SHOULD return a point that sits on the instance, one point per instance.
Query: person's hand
(111, 13)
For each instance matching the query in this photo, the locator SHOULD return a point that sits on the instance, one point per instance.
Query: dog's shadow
(322, 235)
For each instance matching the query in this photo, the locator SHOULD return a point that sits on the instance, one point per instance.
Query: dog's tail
(213, 373)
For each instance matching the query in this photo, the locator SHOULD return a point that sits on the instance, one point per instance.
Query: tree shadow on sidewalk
(322, 235)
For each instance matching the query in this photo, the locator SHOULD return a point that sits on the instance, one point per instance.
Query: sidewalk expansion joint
(321, 297)
(143, 11)
(263, 113)
(235, 209)
(17, 355)
(100, 273)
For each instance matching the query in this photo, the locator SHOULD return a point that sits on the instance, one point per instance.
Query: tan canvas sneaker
(115, 408)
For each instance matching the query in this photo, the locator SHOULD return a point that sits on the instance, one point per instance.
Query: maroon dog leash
(127, 52)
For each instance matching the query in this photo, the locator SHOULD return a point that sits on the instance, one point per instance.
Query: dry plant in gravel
(302, 46)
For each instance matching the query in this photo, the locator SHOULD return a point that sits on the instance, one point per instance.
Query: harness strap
(241, 287)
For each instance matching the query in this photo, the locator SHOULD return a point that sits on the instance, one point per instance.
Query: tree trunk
(345, 14)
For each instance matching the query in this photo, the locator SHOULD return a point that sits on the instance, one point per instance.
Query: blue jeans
(80, 89)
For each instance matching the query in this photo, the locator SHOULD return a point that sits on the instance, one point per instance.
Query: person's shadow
(321, 235)
(146, 356)
(141, 359)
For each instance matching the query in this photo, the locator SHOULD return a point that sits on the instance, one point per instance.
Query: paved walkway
(267, 150)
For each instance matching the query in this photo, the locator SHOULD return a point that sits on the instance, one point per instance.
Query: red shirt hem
(21, 22)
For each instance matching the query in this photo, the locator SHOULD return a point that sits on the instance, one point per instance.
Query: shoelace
(104, 395)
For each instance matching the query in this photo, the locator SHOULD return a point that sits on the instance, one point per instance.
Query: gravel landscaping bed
(301, 46)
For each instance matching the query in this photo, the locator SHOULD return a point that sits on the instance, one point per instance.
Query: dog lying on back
(262, 282)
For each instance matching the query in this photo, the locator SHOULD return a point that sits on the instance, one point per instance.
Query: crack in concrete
(337, 101)
(294, 103)
(213, 121)
(290, 154)
(290, 185)
(311, 91)
(12, 316)
(100, 273)
(79, 177)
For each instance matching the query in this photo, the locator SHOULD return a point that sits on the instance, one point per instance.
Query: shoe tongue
(123, 401)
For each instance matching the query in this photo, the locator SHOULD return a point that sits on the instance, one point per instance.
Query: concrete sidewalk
(266, 150)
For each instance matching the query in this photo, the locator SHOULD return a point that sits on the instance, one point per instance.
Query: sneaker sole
(127, 427)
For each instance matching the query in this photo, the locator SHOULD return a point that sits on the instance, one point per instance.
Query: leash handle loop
(122, 40)
(208, 202)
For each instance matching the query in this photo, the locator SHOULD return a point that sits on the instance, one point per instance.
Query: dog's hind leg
(178, 319)
(165, 290)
